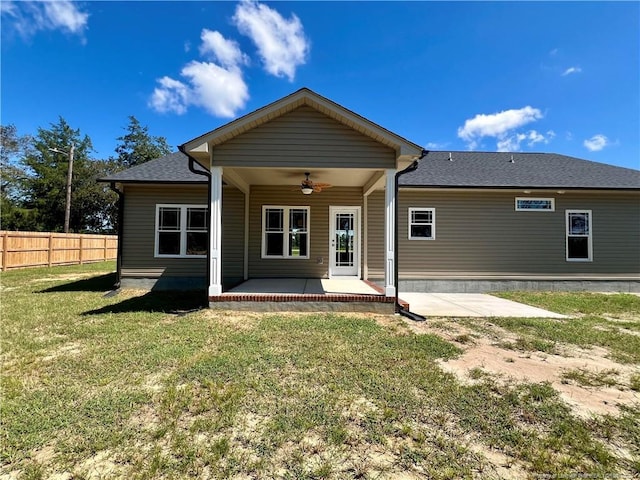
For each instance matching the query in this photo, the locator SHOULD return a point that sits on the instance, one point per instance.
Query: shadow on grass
(100, 283)
(174, 302)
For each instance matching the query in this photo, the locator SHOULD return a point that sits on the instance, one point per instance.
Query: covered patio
(305, 294)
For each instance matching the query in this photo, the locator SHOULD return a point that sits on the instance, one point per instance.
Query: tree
(13, 214)
(137, 146)
(46, 177)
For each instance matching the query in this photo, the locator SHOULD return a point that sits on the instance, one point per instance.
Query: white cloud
(219, 89)
(435, 146)
(571, 70)
(282, 44)
(171, 96)
(512, 143)
(226, 52)
(217, 84)
(553, 52)
(30, 17)
(596, 143)
(498, 125)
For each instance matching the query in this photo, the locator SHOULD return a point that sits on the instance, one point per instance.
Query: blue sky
(511, 76)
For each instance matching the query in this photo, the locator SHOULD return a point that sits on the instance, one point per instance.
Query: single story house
(305, 188)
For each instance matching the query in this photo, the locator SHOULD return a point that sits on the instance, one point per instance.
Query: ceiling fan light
(306, 190)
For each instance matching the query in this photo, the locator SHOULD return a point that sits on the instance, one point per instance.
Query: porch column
(215, 240)
(389, 233)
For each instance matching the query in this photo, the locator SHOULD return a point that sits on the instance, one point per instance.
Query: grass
(587, 378)
(153, 386)
(603, 320)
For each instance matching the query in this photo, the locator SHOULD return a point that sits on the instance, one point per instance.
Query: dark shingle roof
(172, 168)
(466, 170)
(535, 170)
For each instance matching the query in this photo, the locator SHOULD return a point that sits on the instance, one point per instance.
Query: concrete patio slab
(299, 286)
(470, 305)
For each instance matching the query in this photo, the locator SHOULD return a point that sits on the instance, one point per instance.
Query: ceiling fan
(307, 186)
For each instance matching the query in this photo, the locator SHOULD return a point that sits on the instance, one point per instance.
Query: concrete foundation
(165, 283)
(484, 286)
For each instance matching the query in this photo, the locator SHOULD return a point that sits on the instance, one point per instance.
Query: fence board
(37, 249)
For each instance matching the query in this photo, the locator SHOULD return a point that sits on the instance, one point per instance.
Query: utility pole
(67, 207)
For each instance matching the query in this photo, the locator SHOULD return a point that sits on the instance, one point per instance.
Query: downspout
(120, 193)
(192, 168)
(399, 309)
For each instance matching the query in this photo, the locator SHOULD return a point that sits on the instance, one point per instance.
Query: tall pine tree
(44, 187)
(137, 146)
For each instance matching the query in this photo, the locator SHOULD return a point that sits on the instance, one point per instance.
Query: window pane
(196, 243)
(274, 244)
(297, 220)
(578, 224)
(169, 218)
(578, 247)
(534, 204)
(169, 243)
(421, 231)
(298, 245)
(274, 220)
(421, 216)
(196, 219)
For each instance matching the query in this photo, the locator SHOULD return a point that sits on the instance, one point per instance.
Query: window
(527, 204)
(579, 229)
(285, 232)
(181, 231)
(422, 223)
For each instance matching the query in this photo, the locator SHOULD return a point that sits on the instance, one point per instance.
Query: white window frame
(589, 236)
(546, 199)
(433, 222)
(183, 229)
(285, 231)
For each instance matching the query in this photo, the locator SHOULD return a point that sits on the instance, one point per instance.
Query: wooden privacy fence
(45, 249)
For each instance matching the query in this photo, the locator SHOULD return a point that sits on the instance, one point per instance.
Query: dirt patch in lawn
(482, 351)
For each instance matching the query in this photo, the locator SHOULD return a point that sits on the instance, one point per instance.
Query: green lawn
(152, 385)
(610, 321)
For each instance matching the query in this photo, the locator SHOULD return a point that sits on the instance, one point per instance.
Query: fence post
(5, 236)
(49, 252)
(104, 237)
(81, 248)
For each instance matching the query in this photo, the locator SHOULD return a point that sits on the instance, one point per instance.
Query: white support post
(215, 241)
(389, 233)
(246, 236)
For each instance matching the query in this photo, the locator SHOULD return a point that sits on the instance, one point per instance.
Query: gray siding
(232, 235)
(304, 138)
(318, 232)
(139, 232)
(481, 234)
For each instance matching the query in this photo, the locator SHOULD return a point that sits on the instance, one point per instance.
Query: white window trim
(589, 236)
(285, 232)
(433, 223)
(553, 204)
(183, 229)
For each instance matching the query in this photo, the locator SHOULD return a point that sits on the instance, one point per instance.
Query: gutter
(120, 193)
(399, 308)
(192, 168)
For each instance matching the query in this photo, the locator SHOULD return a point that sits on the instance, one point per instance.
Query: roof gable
(303, 97)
